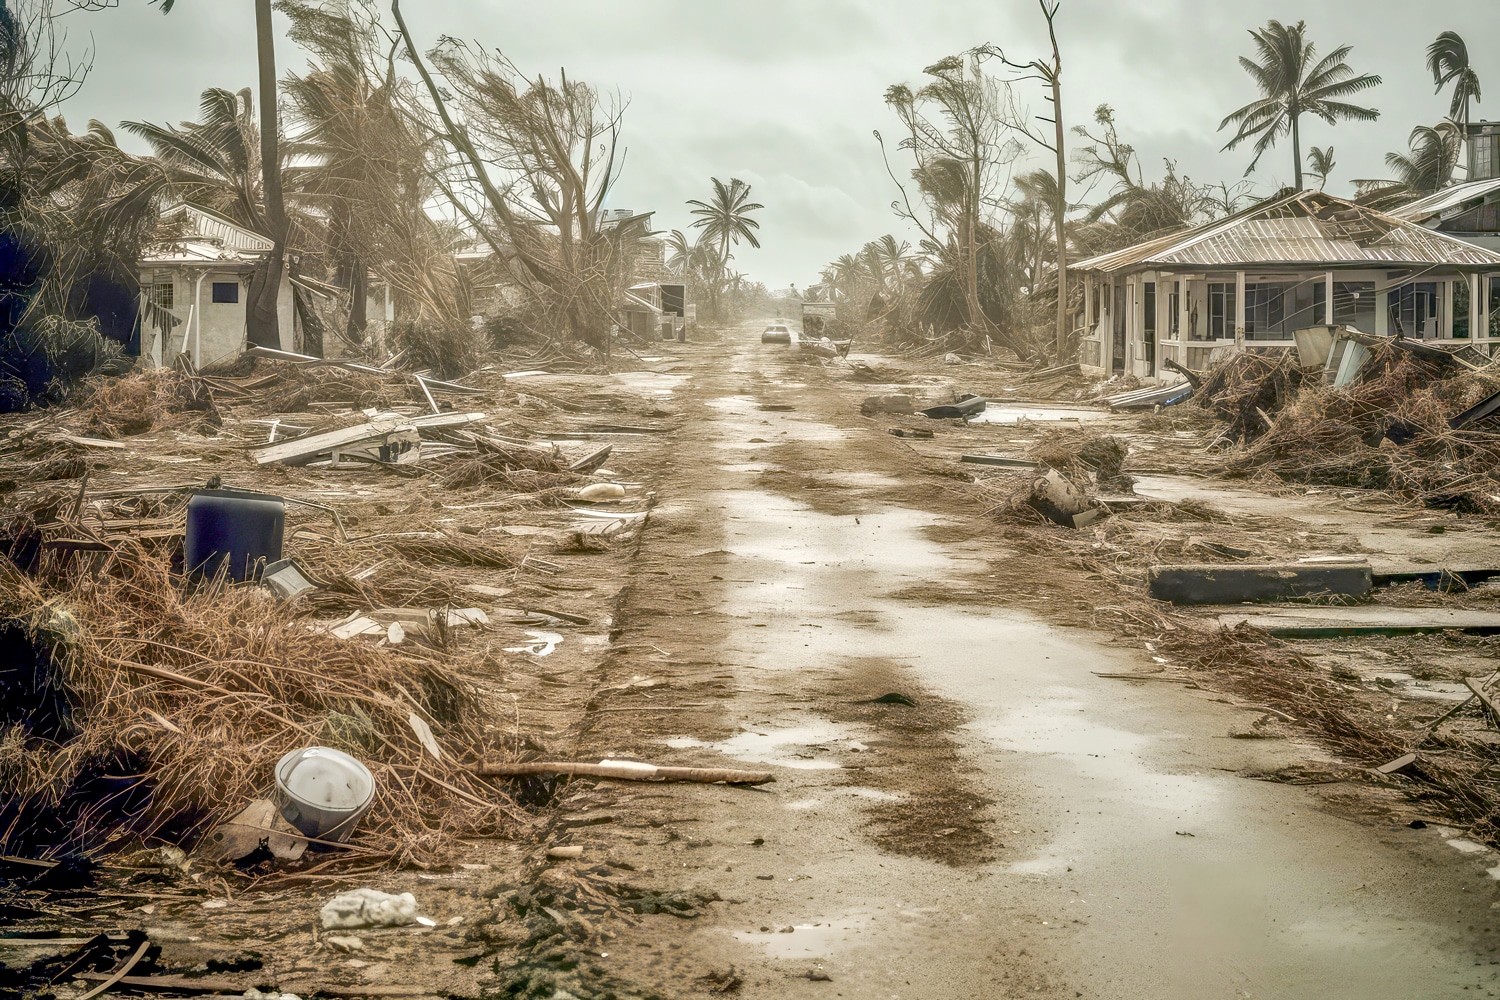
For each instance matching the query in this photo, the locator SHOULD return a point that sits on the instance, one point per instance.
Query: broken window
(1354, 305)
(162, 294)
(1416, 310)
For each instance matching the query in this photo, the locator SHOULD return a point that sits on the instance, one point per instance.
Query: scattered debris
(368, 908)
(898, 403)
(628, 770)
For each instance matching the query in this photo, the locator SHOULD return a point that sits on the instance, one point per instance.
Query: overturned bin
(1238, 584)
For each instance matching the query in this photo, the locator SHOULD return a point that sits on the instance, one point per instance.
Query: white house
(194, 290)
(1299, 260)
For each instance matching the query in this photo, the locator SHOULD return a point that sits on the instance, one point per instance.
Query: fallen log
(627, 770)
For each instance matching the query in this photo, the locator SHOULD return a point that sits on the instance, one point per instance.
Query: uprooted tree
(528, 164)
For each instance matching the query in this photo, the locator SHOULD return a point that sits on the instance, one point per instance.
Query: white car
(776, 333)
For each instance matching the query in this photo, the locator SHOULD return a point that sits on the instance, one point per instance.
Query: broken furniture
(236, 529)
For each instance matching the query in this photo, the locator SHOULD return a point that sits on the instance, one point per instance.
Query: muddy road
(1012, 824)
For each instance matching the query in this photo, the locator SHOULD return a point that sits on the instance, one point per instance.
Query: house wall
(1438, 307)
(222, 330)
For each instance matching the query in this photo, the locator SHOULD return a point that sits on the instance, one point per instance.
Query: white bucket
(323, 792)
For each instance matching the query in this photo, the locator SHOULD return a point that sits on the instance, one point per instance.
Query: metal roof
(1308, 227)
(1438, 202)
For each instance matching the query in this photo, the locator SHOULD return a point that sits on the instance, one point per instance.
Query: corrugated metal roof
(197, 251)
(1441, 201)
(1309, 227)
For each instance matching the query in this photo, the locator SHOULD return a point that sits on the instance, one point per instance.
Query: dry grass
(181, 703)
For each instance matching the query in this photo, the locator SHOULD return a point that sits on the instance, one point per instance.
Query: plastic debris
(368, 908)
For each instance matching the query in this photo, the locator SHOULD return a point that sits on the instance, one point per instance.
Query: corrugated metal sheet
(1440, 201)
(1306, 228)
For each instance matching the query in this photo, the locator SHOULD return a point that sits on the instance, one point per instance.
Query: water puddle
(653, 385)
(809, 747)
(1006, 414)
(816, 939)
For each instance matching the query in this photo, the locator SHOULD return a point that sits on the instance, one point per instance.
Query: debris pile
(1403, 424)
(143, 705)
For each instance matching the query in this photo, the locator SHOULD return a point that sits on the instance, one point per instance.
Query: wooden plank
(306, 448)
(1321, 622)
(999, 460)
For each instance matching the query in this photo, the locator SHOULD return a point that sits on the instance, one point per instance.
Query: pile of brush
(1390, 429)
(1247, 390)
(141, 710)
(149, 400)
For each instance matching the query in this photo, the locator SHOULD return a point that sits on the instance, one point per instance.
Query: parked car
(777, 333)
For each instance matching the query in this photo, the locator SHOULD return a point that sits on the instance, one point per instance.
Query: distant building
(194, 290)
(1483, 142)
(1295, 261)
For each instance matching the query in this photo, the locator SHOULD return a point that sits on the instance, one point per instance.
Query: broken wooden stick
(627, 770)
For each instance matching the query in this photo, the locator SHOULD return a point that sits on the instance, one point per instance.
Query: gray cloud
(785, 93)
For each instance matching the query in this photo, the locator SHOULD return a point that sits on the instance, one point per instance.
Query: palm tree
(265, 287)
(1448, 59)
(725, 220)
(1320, 164)
(1431, 160)
(214, 163)
(1292, 85)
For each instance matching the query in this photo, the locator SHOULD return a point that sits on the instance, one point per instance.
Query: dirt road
(1023, 827)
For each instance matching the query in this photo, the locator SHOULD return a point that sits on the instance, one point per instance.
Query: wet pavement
(1130, 858)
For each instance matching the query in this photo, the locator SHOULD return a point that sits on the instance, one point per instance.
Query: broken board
(1310, 622)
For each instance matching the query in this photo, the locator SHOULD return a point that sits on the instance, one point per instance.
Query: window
(1174, 309)
(1221, 310)
(1265, 310)
(1354, 305)
(161, 294)
(1494, 303)
(226, 291)
(1486, 154)
(1416, 310)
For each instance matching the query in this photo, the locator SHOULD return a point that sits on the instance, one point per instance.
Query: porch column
(1327, 298)
(1183, 317)
(1239, 310)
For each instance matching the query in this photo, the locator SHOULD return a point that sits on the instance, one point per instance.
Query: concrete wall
(222, 332)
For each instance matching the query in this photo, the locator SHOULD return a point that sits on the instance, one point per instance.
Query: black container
(236, 527)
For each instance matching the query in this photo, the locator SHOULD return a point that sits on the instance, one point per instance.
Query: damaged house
(195, 290)
(1302, 259)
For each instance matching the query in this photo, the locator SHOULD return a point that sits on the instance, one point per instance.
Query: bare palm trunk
(1060, 210)
(261, 321)
(1297, 146)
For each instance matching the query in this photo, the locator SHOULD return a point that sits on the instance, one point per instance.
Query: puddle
(653, 385)
(809, 940)
(542, 644)
(808, 747)
(1006, 414)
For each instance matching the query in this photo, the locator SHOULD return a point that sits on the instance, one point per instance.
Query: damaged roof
(208, 238)
(1439, 203)
(1306, 227)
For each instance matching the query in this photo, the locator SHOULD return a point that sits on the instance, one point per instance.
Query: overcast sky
(785, 93)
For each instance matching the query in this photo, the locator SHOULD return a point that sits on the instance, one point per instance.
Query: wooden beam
(307, 448)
